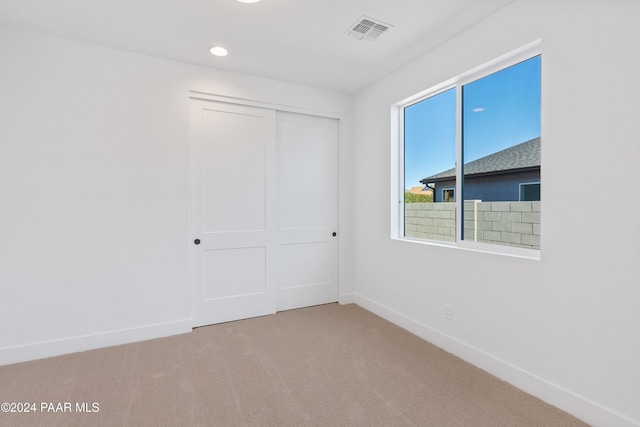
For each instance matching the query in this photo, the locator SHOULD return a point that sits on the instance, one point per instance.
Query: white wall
(94, 205)
(567, 327)
(94, 194)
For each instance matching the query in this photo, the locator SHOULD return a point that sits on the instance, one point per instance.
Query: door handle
(197, 241)
(334, 234)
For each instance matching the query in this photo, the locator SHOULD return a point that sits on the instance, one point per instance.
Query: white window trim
(397, 153)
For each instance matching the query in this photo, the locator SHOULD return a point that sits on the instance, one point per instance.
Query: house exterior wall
(442, 185)
(492, 188)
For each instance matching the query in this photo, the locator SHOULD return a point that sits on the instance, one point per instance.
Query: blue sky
(499, 111)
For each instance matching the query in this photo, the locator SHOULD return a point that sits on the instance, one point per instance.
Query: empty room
(338, 212)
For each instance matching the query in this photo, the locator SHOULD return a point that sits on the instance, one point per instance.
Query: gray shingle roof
(522, 156)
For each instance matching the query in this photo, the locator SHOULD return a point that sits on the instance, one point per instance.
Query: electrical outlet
(448, 312)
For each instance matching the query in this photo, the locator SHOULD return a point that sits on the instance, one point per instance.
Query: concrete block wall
(502, 223)
(431, 221)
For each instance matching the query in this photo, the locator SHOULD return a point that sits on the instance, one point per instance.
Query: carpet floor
(330, 365)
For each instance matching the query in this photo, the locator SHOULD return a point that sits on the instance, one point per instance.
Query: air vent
(368, 29)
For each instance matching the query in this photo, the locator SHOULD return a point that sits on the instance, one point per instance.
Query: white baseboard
(45, 349)
(346, 298)
(580, 407)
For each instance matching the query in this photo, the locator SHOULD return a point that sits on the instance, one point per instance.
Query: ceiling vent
(368, 29)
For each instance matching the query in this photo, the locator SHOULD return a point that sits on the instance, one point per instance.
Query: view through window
(490, 125)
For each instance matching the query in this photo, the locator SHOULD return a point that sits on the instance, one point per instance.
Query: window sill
(510, 251)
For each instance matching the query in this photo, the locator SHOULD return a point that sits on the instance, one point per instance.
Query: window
(530, 192)
(476, 136)
(448, 195)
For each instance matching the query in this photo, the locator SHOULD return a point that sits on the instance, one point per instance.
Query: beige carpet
(329, 365)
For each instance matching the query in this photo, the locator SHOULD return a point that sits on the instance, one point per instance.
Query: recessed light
(218, 51)
(248, 1)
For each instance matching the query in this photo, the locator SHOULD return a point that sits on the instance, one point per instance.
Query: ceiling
(300, 41)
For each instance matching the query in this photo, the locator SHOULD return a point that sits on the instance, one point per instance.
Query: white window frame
(397, 154)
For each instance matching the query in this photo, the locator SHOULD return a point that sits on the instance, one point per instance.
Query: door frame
(205, 96)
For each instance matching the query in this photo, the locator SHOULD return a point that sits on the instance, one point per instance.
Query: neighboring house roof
(519, 157)
(421, 189)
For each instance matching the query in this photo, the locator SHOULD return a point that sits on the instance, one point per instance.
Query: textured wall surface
(500, 223)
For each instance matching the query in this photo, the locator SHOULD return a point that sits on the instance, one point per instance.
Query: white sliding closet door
(307, 272)
(232, 211)
(264, 210)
